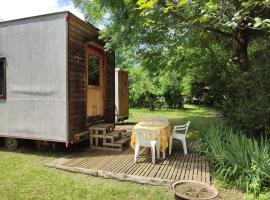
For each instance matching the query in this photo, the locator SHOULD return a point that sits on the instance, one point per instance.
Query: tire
(11, 143)
(54, 147)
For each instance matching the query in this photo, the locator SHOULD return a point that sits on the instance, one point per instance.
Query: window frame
(3, 59)
(99, 75)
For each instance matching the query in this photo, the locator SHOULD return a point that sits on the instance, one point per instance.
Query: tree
(216, 43)
(237, 22)
(144, 87)
(147, 22)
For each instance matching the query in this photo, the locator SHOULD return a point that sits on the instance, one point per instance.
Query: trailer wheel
(54, 146)
(11, 143)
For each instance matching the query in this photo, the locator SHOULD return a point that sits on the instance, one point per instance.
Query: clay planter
(193, 190)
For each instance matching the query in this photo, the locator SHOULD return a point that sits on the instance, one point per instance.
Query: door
(95, 87)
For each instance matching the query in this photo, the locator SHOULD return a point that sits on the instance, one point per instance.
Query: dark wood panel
(80, 34)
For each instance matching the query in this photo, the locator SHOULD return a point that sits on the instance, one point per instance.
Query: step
(102, 126)
(107, 148)
(101, 136)
(122, 141)
(112, 144)
(118, 143)
(115, 133)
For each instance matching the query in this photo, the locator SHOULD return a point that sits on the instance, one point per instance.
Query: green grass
(24, 176)
(199, 116)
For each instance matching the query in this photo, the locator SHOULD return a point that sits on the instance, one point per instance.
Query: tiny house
(56, 79)
(121, 95)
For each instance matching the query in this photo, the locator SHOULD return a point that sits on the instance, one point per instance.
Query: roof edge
(37, 17)
(32, 17)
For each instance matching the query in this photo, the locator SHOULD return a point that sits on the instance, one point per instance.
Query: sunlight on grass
(24, 176)
(199, 116)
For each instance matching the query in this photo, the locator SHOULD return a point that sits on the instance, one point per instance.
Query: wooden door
(95, 87)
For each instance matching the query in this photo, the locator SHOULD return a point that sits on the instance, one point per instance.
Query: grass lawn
(199, 116)
(23, 175)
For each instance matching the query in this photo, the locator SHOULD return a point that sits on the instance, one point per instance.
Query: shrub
(160, 103)
(237, 159)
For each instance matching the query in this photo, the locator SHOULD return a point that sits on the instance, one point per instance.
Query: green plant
(237, 159)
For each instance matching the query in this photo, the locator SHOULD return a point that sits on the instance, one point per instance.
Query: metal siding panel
(36, 79)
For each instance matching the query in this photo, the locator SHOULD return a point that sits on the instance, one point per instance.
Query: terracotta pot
(179, 196)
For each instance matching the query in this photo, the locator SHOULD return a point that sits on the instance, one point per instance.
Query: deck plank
(166, 169)
(207, 173)
(105, 161)
(162, 170)
(120, 165)
(181, 174)
(142, 166)
(116, 163)
(203, 171)
(126, 163)
(188, 167)
(96, 160)
(178, 166)
(173, 166)
(191, 167)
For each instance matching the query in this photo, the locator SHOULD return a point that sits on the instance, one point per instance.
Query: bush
(160, 103)
(237, 159)
(247, 105)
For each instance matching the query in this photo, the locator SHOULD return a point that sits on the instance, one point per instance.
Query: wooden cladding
(80, 35)
(122, 94)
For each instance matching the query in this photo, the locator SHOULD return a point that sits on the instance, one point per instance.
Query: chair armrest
(180, 126)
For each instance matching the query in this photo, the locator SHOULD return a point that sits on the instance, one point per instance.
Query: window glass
(2, 78)
(93, 70)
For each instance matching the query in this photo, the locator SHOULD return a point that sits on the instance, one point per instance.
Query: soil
(192, 190)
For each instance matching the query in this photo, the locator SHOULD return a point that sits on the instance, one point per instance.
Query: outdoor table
(162, 128)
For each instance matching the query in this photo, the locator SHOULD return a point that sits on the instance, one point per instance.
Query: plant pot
(193, 190)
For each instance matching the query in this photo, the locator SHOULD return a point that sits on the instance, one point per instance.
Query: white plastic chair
(147, 138)
(160, 119)
(181, 137)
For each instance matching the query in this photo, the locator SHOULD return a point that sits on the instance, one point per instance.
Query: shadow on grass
(126, 123)
(29, 147)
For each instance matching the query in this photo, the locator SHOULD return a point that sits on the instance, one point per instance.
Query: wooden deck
(120, 165)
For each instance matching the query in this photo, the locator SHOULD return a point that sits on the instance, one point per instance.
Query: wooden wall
(123, 109)
(79, 34)
(110, 87)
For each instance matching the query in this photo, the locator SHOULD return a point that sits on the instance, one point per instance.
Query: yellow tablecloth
(162, 128)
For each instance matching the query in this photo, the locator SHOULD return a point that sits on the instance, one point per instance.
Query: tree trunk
(151, 103)
(150, 99)
(239, 49)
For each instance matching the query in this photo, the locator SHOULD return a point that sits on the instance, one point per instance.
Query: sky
(15, 9)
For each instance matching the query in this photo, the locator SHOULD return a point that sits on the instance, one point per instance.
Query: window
(2, 78)
(93, 70)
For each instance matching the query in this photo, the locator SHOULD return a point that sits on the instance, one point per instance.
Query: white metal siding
(36, 54)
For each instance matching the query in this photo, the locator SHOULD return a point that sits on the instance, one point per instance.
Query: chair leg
(158, 150)
(153, 153)
(137, 149)
(170, 145)
(164, 154)
(184, 145)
